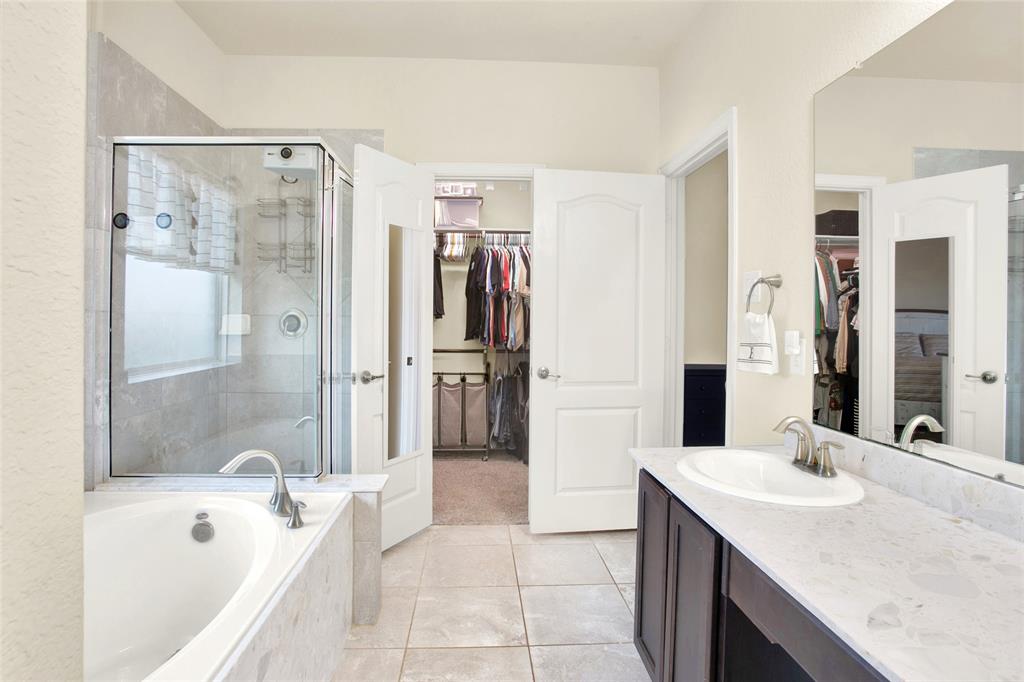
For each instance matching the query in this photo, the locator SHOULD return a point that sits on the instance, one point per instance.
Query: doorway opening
(481, 353)
(705, 231)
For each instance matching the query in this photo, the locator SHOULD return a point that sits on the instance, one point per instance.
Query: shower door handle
(367, 376)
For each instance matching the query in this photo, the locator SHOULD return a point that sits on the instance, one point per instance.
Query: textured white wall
(42, 138)
(768, 59)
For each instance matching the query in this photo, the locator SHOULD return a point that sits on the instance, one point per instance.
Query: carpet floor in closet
(469, 491)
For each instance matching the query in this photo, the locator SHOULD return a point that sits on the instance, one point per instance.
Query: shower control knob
(286, 152)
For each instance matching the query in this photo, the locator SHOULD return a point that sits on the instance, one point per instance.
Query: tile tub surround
(444, 620)
(314, 607)
(366, 526)
(918, 593)
(992, 504)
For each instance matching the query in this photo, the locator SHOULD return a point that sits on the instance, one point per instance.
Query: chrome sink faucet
(281, 500)
(810, 457)
(806, 445)
(907, 437)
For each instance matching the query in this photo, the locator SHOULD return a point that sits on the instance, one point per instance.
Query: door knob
(367, 376)
(986, 377)
(544, 373)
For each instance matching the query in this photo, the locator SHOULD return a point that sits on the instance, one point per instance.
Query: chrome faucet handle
(295, 520)
(825, 467)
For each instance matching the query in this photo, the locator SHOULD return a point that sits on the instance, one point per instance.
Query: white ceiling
(968, 41)
(637, 32)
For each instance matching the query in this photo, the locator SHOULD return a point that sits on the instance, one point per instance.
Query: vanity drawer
(789, 625)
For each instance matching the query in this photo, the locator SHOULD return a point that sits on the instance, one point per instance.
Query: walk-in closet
(836, 326)
(481, 354)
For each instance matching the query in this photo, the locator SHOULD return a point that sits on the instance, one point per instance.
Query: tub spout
(281, 500)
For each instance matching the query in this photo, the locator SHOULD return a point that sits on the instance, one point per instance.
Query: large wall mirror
(919, 243)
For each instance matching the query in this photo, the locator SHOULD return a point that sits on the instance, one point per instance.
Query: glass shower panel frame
(221, 377)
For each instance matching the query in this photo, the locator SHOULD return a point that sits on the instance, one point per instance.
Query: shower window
(221, 259)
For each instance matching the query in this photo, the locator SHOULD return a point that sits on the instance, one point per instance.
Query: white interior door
(970, 209)
(597, 345)
(392, 336)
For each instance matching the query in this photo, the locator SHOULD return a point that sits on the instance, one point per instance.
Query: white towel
(759, 350)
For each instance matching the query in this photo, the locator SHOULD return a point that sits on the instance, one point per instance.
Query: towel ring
(773, 282)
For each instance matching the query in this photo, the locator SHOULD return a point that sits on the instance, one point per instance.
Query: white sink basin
(767, 477)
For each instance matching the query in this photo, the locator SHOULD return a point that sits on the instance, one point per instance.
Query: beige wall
(164, 39)
(768, 59)
(706, 256)
(835, 201)
(870, 126)
(41, 338)
(563, 115)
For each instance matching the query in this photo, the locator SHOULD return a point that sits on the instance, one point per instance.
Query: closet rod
(460, 350)
(466, 230)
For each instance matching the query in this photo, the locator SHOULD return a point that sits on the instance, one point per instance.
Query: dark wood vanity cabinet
(705, 612)
(651, 563)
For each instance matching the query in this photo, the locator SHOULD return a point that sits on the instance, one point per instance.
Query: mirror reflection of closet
(925, 140)
(837, 293)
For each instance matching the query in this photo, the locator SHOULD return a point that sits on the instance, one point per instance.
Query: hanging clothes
(438, 288)
(498, 296)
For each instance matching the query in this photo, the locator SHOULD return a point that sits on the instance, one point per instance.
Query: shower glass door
(220, 271)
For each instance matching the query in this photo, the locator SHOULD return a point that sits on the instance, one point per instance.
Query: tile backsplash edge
(992, 504)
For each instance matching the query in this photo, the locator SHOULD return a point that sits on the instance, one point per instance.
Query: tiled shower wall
(127, 99)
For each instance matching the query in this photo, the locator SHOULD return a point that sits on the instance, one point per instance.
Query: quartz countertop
(336, 483)
(919, 593)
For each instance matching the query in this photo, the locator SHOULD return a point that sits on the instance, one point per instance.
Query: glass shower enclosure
(222, 287)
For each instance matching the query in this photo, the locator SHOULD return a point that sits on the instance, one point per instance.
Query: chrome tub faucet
(281, 500)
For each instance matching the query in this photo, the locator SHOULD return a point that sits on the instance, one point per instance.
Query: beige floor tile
(590, 662)
(370, 665)
(620, 558)
(508, 664)
(614, 536)
(402, 565)
(560, 565)
(468, 616)
(392, 627)
(521, 535)
(576, 614)
(629, 594)
(469, 535)
(469, 566)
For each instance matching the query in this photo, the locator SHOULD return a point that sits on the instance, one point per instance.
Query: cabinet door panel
(651, 563)
(693, 570)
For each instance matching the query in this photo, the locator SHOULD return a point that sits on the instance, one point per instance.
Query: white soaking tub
(161, 605)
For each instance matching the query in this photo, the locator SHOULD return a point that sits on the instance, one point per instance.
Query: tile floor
(497, 603)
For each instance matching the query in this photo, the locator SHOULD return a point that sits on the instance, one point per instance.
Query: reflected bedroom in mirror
(919, 243)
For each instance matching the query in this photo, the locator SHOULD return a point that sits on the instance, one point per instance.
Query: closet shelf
(838, 237)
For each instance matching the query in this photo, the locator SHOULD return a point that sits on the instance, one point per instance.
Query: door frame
(863, 186)
(720, 136)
